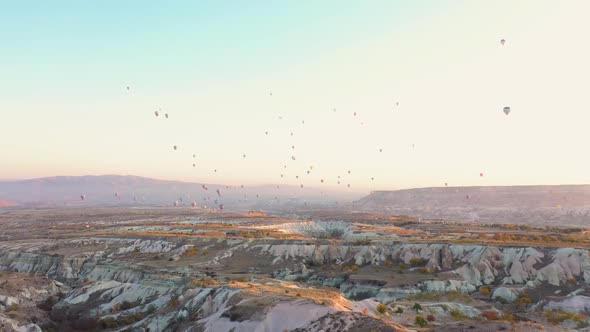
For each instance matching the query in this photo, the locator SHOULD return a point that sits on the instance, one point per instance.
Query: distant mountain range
(134, 190)
(560, 204)
(552, 205)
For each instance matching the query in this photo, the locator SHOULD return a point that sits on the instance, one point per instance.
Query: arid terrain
(185, 269)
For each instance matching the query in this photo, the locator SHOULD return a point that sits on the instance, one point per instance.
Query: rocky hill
(118, 190)
(564, 204)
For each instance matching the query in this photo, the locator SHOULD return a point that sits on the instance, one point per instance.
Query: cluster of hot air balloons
(293, 157)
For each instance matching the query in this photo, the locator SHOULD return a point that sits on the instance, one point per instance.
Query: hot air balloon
(128, 88)
(166, 115)
(480, 174)
(301, 186)
(293, 158)
(446, 184)
(218, 193)
(293, 147)
(157, 113)
(348, 185)
(244, 156)
(380, 150)
(506, 110)
(349, 172)
(302, 121)
(308, 172)
(397, 103)
(175, 148)
(266, 132)
(194, 165)
(194, 155)
(322, 180)
(281, 175)
(194, 205)
(502, 41)
(297, 176)
(372, 179)
(82, 197)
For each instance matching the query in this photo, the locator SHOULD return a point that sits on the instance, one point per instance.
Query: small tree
(381, 308)
(399, 310)
(417, 307)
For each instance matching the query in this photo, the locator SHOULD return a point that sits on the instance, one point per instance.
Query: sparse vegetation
(485, 290)
(523, 300)
(501, 300)
(381, 308)
(420, 321)
(414, 262)
(559, 316)
(454, 296)
(457, 314)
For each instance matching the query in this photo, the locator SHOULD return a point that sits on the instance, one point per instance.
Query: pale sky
(65, 109)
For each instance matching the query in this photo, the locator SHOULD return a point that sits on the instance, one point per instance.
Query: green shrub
(501, 300)
(417, 307)
(381, 308)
